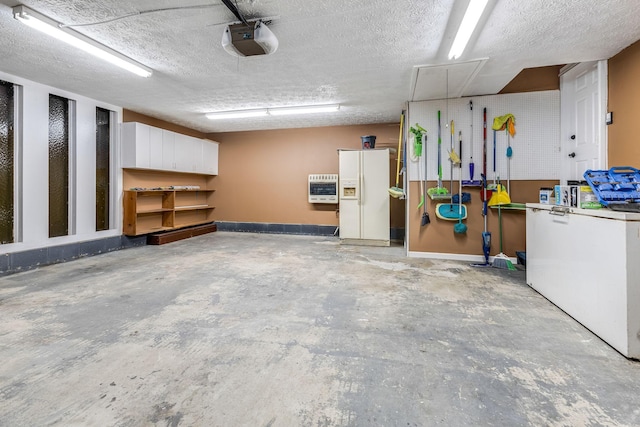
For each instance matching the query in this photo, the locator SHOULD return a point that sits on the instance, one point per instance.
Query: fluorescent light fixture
(236, 114)
(467, 27)
(276, 111)
(55, 29)
(306, 109)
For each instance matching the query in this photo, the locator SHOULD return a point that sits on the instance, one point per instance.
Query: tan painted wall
(535, 79)
(624, 102)
(438, 235)
(263, 175)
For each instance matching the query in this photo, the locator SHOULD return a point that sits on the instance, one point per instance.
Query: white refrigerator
(364, 197)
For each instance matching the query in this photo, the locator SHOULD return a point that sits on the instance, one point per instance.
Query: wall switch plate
(609, 117)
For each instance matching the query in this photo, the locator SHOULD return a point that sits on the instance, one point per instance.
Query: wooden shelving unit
(150, 211)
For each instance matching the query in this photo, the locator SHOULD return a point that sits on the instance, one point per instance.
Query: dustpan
(451, 211)
(499, 196)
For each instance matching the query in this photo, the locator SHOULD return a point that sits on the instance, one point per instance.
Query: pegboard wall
(535, 146)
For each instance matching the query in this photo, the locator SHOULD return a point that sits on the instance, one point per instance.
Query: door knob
(573, 137)
(572, 155)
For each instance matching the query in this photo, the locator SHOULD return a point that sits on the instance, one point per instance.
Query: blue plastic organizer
(617, 188)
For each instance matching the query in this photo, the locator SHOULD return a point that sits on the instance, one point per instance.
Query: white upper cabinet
(148, 147)
(188, 152)
(209, 157)
(135, 145)
(168, 144)
(155, 148)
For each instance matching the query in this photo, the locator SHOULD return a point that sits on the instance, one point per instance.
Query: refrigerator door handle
(361, 201)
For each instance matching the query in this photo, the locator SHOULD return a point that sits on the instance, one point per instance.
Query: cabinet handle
(559, 210)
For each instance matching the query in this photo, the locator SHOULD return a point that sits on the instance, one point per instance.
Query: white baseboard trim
(454, 257)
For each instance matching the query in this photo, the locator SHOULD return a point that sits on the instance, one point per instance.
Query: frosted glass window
(103, 184)
(58, 166)
(6, 162)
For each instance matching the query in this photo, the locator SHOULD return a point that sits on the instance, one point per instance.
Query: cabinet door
(168, 156)
(155, 148)
(210, 157)
(135, 145)
(184, 153)
(198, 155)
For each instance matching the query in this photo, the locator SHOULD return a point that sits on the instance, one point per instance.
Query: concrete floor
(232, 329)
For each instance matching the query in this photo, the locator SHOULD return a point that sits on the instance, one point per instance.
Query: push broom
(499, 198)
(423, 193)
(395, 191)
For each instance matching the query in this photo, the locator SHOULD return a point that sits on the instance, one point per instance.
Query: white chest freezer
(587, 262)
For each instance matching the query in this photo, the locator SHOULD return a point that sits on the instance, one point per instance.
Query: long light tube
(306, 109)
(237, 114)
(54, 29)
(467, 27)
(276, 111)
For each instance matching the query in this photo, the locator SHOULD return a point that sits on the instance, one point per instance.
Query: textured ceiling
(359, 53)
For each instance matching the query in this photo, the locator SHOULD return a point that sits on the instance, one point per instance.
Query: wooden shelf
(193, 207)
(149, 211)
(144, 193)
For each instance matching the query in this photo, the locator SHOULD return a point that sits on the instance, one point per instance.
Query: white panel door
(375, 216)
(583, 133)
(349, 188)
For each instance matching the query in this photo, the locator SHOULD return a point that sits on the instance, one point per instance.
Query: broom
(396, 191)
(425, 215)
(499, 198)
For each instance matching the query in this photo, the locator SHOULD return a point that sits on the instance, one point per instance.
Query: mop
(396, 191)
(452, 211)
(484, 195)
(486, 235)
(417, 132)
(439, 192)
(471, 182)
(508, 124)
(460, 227)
